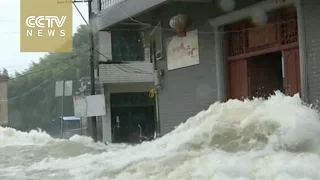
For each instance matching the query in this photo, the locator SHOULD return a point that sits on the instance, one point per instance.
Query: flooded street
(277, 139)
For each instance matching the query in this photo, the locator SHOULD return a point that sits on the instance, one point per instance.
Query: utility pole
(93, 122)
(62, 112)
(92, 125)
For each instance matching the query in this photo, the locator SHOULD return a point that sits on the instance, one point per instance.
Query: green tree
(5, 72)
(31, 98)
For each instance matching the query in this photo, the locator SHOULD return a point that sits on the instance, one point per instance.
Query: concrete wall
(188, 90)
(310, 17)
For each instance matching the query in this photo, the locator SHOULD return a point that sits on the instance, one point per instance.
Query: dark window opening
(132, 117)
(265, 74)
(127, 46)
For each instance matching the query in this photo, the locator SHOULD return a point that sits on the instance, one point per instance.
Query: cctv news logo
(46, 26)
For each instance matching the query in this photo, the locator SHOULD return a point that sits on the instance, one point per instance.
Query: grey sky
(11, 57)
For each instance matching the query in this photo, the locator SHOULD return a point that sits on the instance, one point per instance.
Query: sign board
(183, 51)
(88, 106)
(68, 88)
(96, 105)
(63, 88)
(59, 88)
(80, 106)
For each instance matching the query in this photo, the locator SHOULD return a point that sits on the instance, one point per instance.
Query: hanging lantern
(180, 23)
(259, 16)
(227, 5)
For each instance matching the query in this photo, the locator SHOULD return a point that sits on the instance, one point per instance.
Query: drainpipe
(220, 64)
(157, 87)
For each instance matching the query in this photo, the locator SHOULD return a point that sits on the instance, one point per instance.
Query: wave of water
(274, 139)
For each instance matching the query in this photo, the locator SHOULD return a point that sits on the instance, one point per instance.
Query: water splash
(274, 139)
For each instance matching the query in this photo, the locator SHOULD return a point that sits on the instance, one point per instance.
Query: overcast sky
(10, 55)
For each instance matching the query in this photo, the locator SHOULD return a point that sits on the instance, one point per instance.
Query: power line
(134, 69)
(200, 32)
(36, 87)
(84, 19)
(49, 66)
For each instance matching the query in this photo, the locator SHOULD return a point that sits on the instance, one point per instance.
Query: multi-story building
(204, 51)
(126, 74)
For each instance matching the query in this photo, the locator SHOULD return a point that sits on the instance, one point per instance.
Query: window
(127, 46)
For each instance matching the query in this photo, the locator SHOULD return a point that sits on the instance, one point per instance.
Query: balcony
(133, 72)
(111, 15)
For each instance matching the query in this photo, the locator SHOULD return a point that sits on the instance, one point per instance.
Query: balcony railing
(108, 3)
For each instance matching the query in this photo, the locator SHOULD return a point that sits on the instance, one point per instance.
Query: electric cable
(49, 66)
(200, 32)
(36, 87)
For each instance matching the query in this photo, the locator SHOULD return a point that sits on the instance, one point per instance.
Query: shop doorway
(133, 117)
(263, 58)
(265, 74)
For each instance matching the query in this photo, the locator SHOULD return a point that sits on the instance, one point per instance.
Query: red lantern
(180, 23)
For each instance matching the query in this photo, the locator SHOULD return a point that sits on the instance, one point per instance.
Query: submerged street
(276, 139)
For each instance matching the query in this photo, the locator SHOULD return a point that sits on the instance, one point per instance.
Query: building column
(106, 120)
(302, 52)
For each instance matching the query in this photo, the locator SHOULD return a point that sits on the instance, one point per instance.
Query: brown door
(238, 79)
(292, 71)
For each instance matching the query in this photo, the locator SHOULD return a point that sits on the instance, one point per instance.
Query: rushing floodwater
(276, 139)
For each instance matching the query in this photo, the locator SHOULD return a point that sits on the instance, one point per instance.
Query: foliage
(4, 72)
(31, 94)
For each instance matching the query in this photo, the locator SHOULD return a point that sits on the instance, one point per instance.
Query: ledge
(122, 11)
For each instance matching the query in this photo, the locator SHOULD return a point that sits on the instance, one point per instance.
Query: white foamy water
(275, 139)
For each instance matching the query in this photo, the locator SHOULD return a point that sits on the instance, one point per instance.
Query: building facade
(235, 43)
